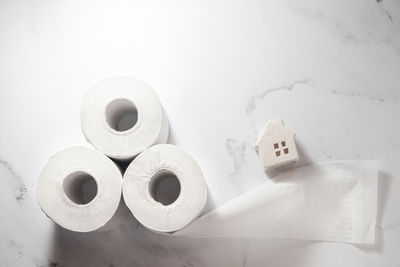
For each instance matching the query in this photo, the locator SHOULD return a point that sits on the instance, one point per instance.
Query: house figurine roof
(276, 145)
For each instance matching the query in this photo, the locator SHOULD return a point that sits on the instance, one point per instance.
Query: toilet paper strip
(326, 201)
(80, 190)
(123, 116)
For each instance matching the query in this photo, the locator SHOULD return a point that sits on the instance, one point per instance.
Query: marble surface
(330, 70)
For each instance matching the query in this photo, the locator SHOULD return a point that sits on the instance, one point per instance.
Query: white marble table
(330, 70)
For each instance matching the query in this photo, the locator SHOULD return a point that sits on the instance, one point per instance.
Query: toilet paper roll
(327, 201)
(123, 116)
(80, 190)
(145, 188)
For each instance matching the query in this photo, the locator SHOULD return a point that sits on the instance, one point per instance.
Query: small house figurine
(275, 146)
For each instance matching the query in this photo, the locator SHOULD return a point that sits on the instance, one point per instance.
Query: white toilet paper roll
(146, 182)
(328, 201)
(123, 116)
(80, 189)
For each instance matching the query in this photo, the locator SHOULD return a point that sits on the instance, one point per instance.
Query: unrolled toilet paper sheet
(328, 201)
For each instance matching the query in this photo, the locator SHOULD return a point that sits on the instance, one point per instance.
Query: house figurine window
(281, 148)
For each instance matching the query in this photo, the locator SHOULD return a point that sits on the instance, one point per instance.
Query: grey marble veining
(330, 70)
(21, 187)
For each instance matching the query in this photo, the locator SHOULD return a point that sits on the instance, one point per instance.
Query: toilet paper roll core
(80, 187)
(164, 187)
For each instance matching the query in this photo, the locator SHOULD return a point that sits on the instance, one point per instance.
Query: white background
(330, 70)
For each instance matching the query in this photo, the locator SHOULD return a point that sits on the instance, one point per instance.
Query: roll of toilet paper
(327, 201)
(80, 189)
(123, 116)
(164, 188)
